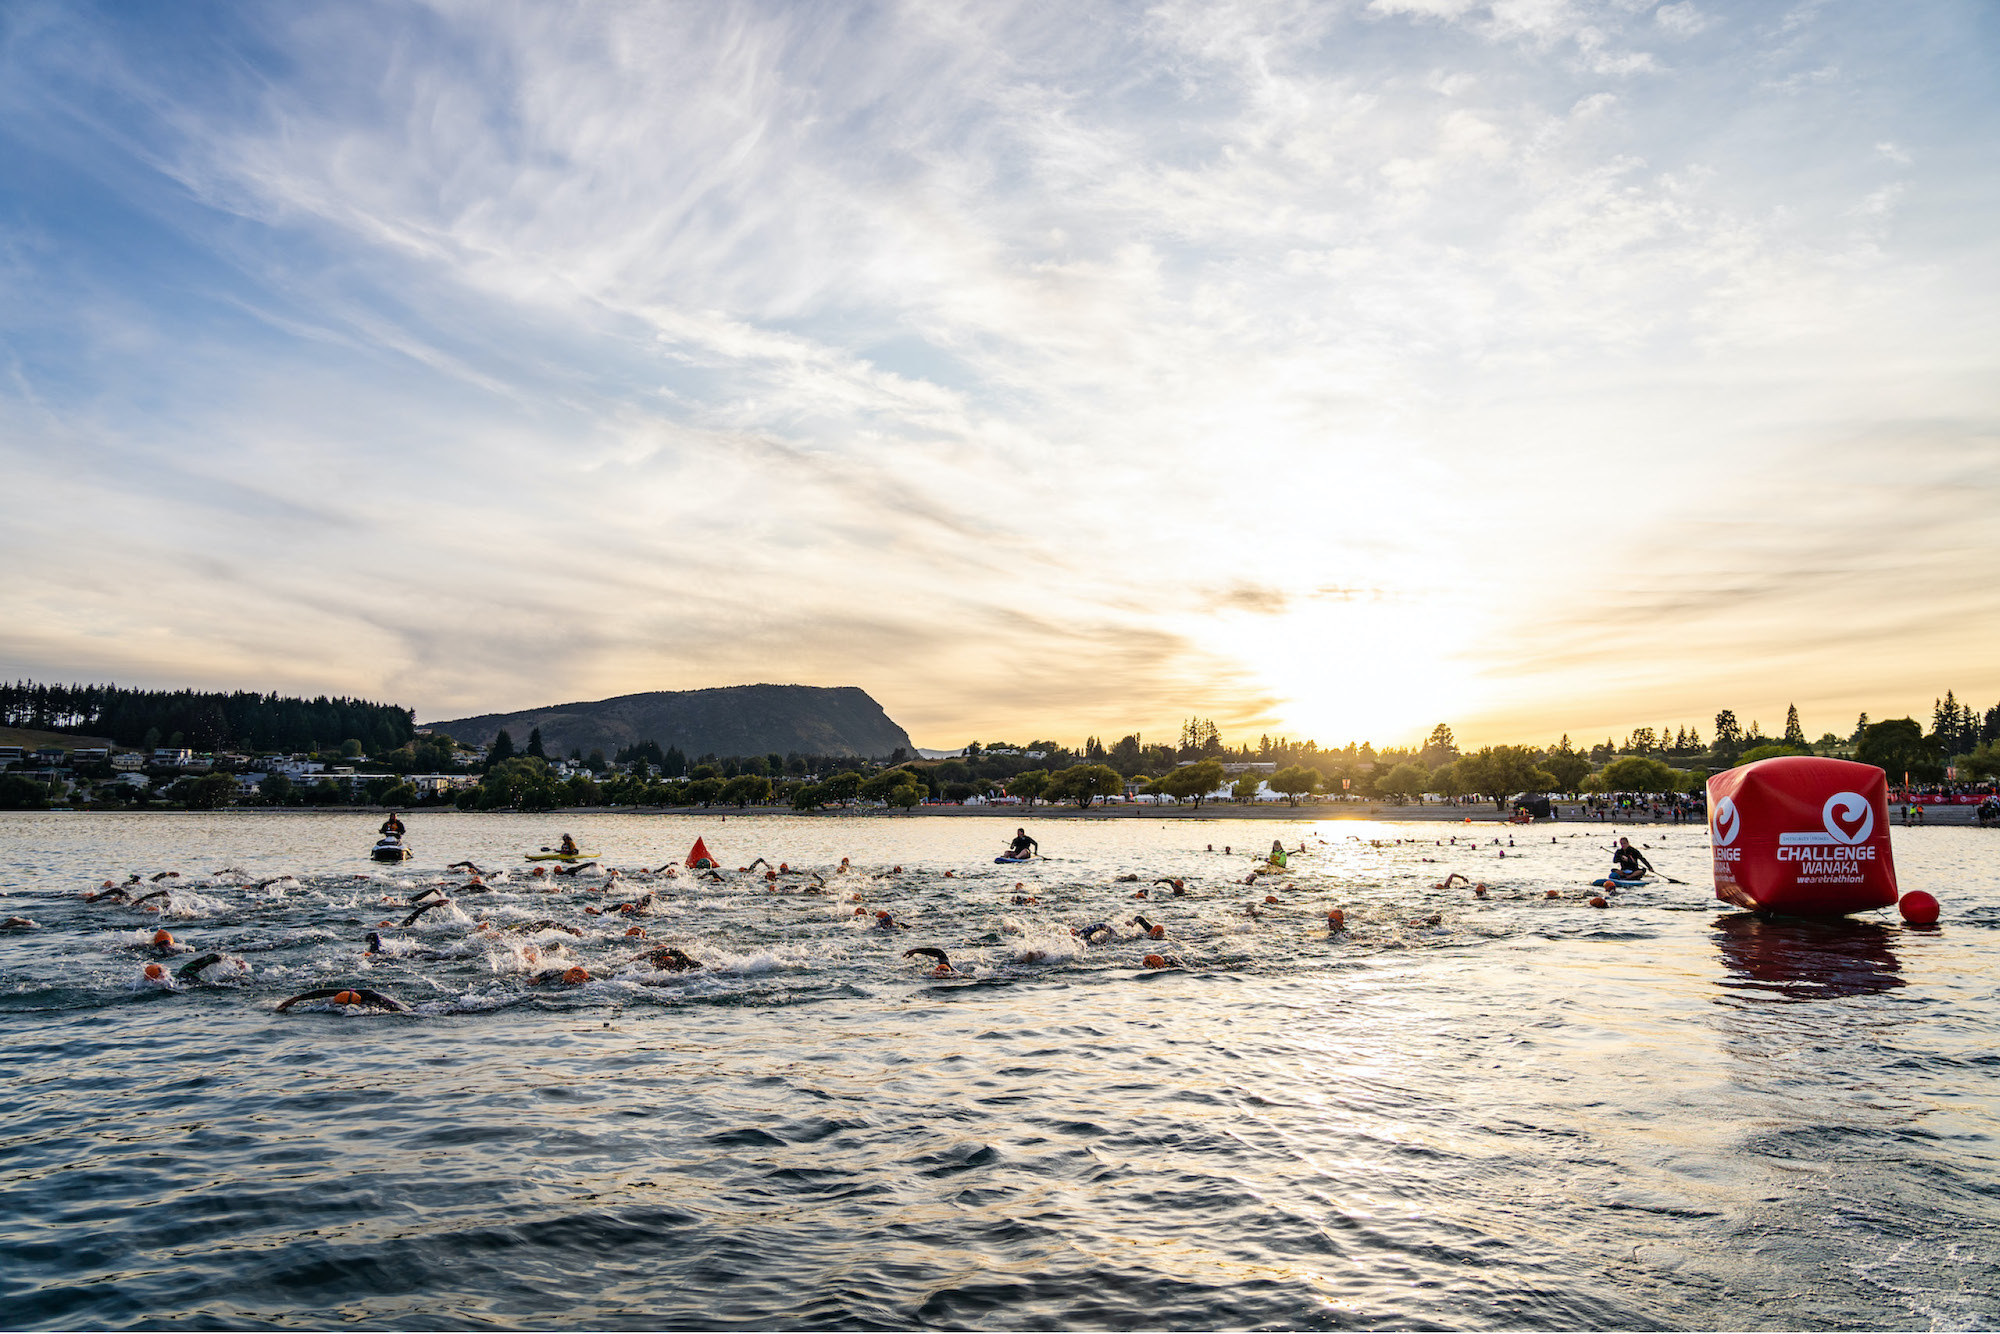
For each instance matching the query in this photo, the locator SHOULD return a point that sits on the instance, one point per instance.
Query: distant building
(431, 784)
(128, 761)
(172, 757)
(12, 755)
(89, 755)
(52, 757)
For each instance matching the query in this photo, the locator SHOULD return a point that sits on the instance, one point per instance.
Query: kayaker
(569, 847)
(1626, 861)
(1021, 844)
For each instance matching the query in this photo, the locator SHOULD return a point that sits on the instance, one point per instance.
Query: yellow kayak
(562, 856)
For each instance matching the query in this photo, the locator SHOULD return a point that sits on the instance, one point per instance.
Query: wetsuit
(1019, 847)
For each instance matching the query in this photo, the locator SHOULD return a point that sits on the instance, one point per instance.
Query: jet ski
(390, 849)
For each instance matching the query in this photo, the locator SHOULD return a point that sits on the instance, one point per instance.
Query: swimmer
(754, 865)
(364, 997)
(1336, 921)
(191, 970)
(420, 911)
(568, 977)
(716, 876)
(669, 959)
(1435, 919)
(1026, 901)
(116, 894)
(1179, 885)
(1452, 879)
(1125, 880)
(166, 894)
(537, 926)
(669, 870)
(642, 904)
(18, 924)
(884, 922)
(465, 866)
(1479, 890)
(1139, 894)
(1153, 932)
(943, 969)
(175, 875)
(163, 944)
(578, 869)
(1097, 933)
(421, 896)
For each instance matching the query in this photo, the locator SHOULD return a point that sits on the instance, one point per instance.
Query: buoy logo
(1727, 823)
(1849, 818)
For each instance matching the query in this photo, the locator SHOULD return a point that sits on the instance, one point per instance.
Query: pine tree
(535, 744)
(1795, 735)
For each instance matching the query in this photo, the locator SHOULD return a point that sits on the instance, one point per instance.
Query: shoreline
(1941, 815)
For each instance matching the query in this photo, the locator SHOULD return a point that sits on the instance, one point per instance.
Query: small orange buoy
(1918, 908)
(635, 931)
(155, 973)
(577, 976)
(1154, 961)
(163, 937)
(1597, 901)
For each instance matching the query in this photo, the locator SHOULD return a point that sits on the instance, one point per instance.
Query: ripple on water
(1528, 1114)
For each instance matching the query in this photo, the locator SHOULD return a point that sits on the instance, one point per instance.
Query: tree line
(205, 721)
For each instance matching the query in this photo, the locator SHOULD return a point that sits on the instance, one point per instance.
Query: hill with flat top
(728, 720)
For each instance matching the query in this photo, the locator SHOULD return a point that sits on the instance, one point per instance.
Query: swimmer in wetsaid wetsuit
(362, 996)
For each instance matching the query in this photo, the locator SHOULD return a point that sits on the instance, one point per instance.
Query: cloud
(1000, 358)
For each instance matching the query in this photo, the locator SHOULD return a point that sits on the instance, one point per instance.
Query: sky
(1330, 370)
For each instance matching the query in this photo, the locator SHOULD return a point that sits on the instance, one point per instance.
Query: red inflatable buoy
(1918, 908)
(1803, 835)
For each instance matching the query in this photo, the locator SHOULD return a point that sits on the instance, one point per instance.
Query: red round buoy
(1918, 908)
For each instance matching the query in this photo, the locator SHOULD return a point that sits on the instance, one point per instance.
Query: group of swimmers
(550, 965)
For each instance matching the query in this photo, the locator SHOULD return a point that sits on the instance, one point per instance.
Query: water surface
(1528, 1113)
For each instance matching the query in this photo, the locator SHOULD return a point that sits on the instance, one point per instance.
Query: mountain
(729, 720)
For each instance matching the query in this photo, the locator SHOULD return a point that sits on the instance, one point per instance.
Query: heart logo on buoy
(1727, 824)
(1849, 818)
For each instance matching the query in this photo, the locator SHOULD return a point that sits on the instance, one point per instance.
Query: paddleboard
(1011, 861)
(561, 856)
(1613, 882)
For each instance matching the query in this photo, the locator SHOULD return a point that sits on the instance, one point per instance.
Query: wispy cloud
(999, 358)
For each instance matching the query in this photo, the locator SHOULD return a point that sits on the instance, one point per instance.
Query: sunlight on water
(1500, 1113)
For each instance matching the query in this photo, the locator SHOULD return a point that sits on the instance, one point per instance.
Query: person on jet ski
(392, 827)
(1626, 861)
(1019, 847)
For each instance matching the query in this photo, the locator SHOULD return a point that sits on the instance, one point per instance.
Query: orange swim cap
(347, 998)
(577, 976)
(1157, 933)
(1553, 894)
(154, 972)
(1335, 919)
(1270, 898)
(1154, 961)
(163, 937)
(635, 931)
(1597, 901)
